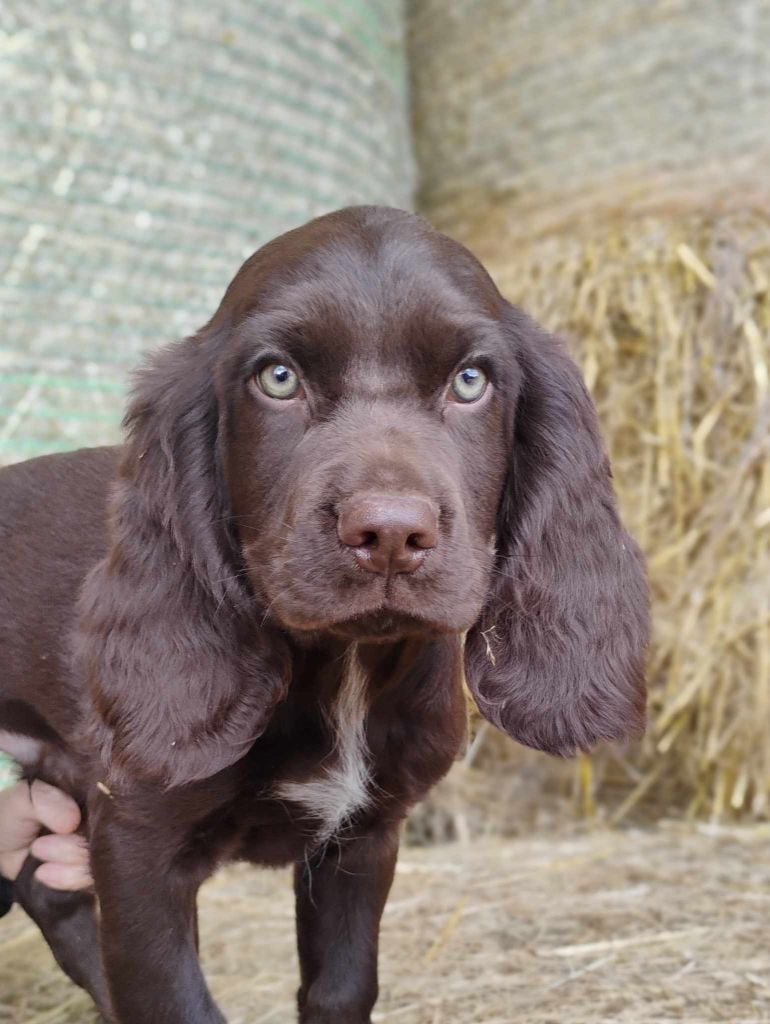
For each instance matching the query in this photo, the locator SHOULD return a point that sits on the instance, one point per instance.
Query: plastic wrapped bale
(608, 163)
(145, 149)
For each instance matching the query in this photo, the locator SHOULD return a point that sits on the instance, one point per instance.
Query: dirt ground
(671, 924)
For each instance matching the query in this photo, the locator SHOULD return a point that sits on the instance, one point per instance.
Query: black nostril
(369, 540)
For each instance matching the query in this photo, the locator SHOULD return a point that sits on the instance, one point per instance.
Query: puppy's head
(368, 441)
(369, 386)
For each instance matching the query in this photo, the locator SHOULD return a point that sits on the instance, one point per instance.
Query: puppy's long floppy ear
(183, 678)
(556, 659)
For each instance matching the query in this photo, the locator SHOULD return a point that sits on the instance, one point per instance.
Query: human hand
(24, 810)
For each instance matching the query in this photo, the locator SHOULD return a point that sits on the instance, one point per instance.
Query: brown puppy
(239, 635)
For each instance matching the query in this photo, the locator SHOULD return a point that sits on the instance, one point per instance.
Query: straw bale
(540, 103)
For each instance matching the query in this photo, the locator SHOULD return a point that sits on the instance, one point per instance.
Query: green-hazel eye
(469, 384)
(278, 381)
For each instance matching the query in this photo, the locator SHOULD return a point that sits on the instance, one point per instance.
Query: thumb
(54, 809)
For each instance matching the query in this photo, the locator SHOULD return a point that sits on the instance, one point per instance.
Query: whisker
(232, 576)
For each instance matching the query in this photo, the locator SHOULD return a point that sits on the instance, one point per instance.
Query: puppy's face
(385, 447)
(369, 393)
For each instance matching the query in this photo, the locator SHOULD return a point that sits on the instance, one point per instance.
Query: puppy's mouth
(379, 623)
(384, 625)
(359, 605)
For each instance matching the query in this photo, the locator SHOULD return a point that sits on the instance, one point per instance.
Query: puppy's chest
(330, 790)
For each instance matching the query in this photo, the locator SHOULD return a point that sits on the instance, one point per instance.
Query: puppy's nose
(388, 535)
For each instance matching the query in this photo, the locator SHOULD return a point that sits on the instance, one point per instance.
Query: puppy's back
(52, 531)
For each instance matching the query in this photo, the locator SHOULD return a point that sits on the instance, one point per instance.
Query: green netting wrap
(8, 771)
(146, 148)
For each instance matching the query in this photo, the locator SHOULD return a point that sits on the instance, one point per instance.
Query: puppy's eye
(278, 381)
(469, 384)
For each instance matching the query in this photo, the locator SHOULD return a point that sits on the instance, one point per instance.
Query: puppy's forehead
(370, 298)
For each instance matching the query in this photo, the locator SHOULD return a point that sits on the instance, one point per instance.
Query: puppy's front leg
(68, 923)
(340, 898)
(148, 922)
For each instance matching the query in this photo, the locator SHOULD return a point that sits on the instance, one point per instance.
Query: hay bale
(542, 105)
(670, 318)
(607, 163)
(145, 150)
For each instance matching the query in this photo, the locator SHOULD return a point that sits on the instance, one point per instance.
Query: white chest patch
(342, 786)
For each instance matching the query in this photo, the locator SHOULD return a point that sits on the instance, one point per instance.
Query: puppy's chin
(379, 625)
(370, 614)
(385, 626)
